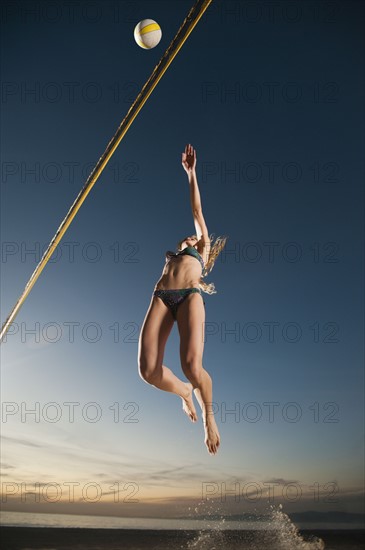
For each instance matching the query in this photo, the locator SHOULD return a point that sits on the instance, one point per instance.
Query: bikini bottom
(173, 298)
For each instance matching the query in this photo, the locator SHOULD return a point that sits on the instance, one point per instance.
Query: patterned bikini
(172, 298)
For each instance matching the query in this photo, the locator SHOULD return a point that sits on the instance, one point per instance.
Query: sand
(48, 538)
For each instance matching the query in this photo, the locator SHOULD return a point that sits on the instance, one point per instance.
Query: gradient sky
(271, 96)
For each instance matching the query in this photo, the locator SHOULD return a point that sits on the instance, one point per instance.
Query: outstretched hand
(188, 159)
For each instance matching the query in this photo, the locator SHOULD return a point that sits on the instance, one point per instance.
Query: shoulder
(170, 254)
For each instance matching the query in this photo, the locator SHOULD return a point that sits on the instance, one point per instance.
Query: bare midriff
(180, 272)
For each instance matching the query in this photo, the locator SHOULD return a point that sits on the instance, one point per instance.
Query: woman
(177, 296)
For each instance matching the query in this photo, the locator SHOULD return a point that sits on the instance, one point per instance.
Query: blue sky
(272, 100)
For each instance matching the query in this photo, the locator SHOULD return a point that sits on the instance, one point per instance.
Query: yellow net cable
(183, 33)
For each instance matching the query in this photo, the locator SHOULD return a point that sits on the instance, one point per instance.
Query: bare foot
(188, 405)
(212, 439)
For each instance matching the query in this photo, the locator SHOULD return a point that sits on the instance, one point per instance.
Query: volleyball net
(182, 35)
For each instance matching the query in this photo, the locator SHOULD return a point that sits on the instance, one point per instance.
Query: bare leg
(155, 331)
(204, 395)
(190, 318)
(164, 379)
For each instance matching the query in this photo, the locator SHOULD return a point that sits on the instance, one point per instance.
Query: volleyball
(147, 34)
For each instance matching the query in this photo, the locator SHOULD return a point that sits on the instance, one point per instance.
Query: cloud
(280, 481)
(21, 441)
(148, 475)
(6, 466)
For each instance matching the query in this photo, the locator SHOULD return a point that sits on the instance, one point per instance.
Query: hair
(214, 251)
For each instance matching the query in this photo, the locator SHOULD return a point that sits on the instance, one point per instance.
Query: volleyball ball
(147, 34)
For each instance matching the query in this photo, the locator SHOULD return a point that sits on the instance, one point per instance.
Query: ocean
(28, 531)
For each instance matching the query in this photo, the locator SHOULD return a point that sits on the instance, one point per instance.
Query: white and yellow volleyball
(147, 34)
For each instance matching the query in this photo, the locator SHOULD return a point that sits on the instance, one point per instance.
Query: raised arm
(189, 163)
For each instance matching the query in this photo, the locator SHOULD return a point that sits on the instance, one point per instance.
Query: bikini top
(189, 251)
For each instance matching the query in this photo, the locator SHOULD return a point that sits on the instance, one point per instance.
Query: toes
(212, 448)
(189, 411)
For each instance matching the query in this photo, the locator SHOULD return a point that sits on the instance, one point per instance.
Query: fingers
(189, 155)
(189, 149)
